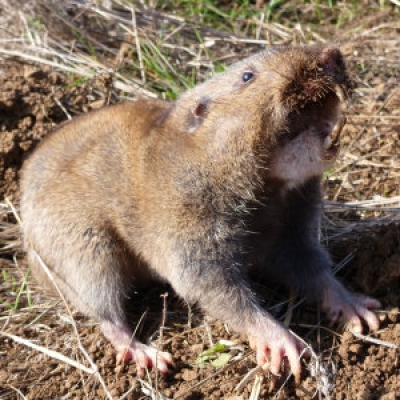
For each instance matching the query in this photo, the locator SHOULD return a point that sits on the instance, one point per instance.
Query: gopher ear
(199, 112)
(201, 108)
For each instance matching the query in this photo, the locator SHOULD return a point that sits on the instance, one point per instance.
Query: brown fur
(194, 192)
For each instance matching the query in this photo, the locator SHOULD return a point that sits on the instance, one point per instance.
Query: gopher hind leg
(96, 274)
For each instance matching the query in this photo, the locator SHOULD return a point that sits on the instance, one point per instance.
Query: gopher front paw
(273, 346)
(145, 357)
(350, 308)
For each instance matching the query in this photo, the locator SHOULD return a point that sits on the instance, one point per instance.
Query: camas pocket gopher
(197, 193)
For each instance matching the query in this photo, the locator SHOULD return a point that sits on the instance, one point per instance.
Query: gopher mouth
(311, 143)
(322, 120)
(308, 144)
(331, 141)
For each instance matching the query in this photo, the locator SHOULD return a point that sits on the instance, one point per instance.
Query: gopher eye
(247, 76)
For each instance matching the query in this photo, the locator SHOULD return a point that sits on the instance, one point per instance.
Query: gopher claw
(274, 349)
(350, 308)
(145, 357)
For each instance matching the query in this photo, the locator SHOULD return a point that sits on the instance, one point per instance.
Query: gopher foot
(350, 308)
(131, 350)
(273, 345)
(145, 357)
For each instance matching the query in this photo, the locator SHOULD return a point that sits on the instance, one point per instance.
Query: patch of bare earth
(36, 97)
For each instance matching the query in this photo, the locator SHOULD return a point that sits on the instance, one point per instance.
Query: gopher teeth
(332, 139)
(327, 142)
(338, 130)
(340, 93)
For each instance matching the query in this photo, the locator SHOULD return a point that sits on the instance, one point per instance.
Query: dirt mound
(32, 101)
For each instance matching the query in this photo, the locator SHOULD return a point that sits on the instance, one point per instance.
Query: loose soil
(35, 98)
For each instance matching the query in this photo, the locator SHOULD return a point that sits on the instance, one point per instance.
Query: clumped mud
(32, 101)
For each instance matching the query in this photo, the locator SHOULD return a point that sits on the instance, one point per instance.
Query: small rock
(347, 337)
(394, 314)
(388, 396)
(189, 374)
(356, 348)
